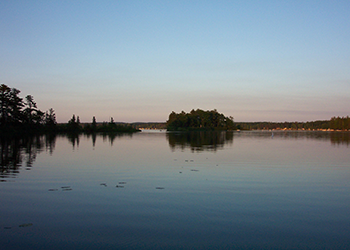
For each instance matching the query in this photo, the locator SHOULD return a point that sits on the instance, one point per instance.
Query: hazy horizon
(140, 60)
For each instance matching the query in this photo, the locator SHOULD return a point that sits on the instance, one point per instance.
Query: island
(199, 120)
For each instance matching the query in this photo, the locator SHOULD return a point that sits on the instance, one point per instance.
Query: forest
(199, 120)
(18, 115)
(22, 116)
(75, 126)
(335, 123)
(212, 120)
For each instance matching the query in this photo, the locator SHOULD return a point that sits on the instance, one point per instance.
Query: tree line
(199, 120)
(22, 116)
(74, 126)
(149, 125)
(335, 123)
(18, 114)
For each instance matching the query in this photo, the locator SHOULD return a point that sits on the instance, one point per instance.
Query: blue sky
(140, 60)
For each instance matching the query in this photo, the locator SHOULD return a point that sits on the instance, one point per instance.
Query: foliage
(50, 119)
(74, 126)
(149, 125)
(335, 123)
(199, 120)
(340, 123)
(19, 116)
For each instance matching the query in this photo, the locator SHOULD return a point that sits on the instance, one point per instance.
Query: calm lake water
(157, 190)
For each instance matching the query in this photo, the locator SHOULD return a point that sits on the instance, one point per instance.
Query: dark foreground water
(153, 190)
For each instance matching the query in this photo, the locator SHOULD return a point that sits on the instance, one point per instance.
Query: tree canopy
(335, 123)
(17, 114)
(199, 120)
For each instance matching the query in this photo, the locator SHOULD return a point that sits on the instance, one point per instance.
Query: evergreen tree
(31, 113)
(4, 104)
(50, 119)
(93, 124)
(15, 107)
(73, 125)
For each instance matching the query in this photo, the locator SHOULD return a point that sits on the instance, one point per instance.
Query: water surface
(157, 190)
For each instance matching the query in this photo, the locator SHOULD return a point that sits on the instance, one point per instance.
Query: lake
(158, 190)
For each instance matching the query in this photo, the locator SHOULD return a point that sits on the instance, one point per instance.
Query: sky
(137, 61)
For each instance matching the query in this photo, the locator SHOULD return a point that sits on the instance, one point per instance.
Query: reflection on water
(340, 138)
(199, 141)
(17, 151)
(334, 137)
(227, 190)
(73, 139)
(110, 137)
(21, 152)
(214, 140)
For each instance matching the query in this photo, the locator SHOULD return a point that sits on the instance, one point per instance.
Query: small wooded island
(199, 120)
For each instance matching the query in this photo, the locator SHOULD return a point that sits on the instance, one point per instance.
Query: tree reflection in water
(73, 138)
(107, 136)
(199, 141)
(17, 152)
(340, 138)
(214, 140)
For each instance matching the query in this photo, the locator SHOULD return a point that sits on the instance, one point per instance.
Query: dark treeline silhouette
(18, 116)
(22, 116)
(75, 126)
(199, 120)
(335, 123)
(149, 125)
